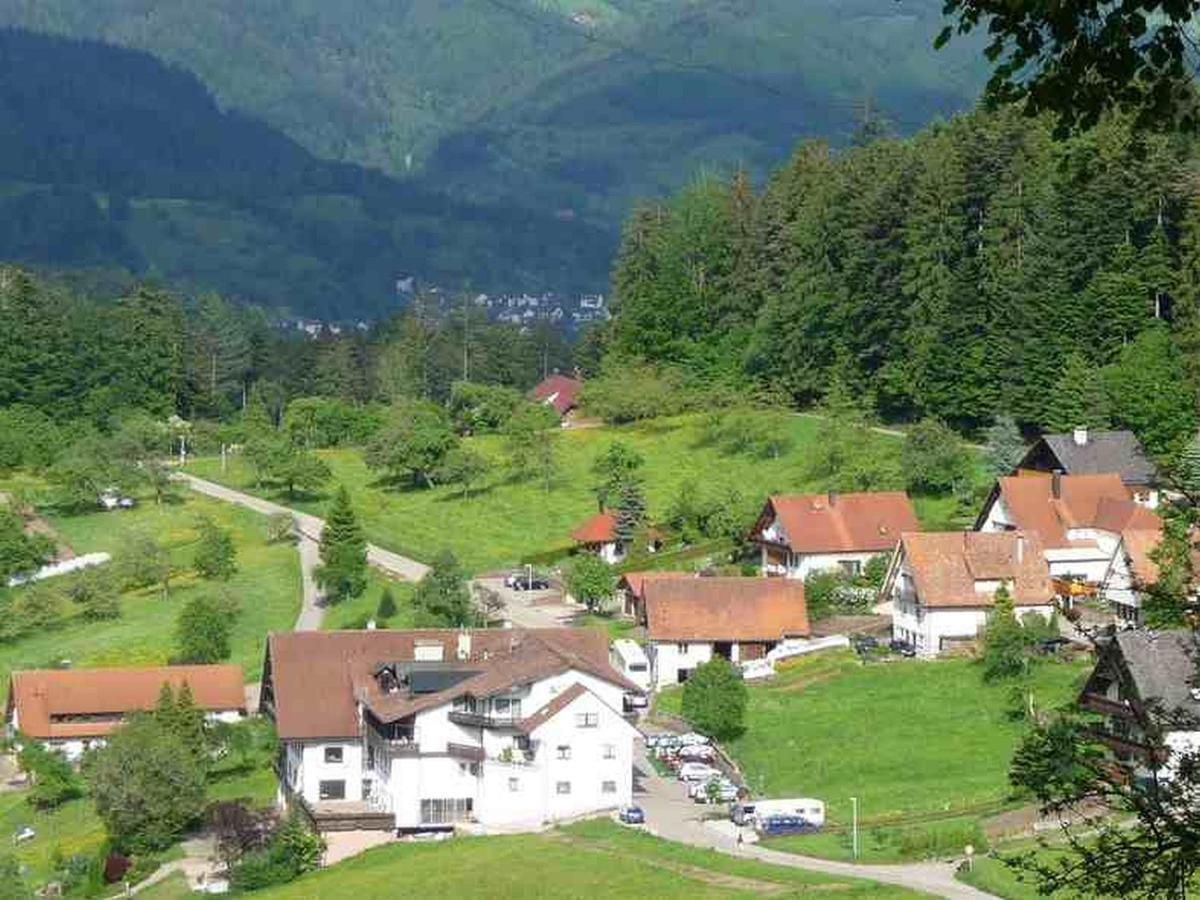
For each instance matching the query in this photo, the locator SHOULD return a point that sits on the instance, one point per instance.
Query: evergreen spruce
(343, 569)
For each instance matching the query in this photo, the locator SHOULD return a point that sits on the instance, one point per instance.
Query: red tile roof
(558, 391)
(317, 678)
(839, 523)
(599, 529)
(40, 695)
(946, 565)
(689, 608)
(1084, 501)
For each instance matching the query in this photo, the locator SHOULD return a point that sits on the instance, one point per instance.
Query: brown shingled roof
(946, 565)
(39, 695)
(847, 523)
(687, 608)
(315, 677)
(558, 391)
(1084, 501)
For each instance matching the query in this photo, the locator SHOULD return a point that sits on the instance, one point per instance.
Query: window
(370, 757)
(445, 811)
(608, 787)
(587, 720)
(333, 754)
(332, 790)
(514, 784)
(610, 751)
(681, 649)
(637, 667)
(850, 567)
(563, 787)
(564, 751)
(366, 788)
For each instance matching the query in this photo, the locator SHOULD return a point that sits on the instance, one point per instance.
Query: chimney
(1081, 437)
(1056, 484)
(464, 645)
(1020, 547)
(832, 497)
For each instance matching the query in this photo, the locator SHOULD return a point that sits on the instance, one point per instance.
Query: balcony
(484, 720)
(465, 751)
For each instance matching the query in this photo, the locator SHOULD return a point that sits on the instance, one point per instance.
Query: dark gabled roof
(1102, 451)
(1162, 667)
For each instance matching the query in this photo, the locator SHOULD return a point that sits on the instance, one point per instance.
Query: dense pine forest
(979, 269)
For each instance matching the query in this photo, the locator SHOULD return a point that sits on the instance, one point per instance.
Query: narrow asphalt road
(671, 815)
(309, 528)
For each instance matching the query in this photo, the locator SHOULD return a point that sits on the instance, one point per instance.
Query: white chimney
(1020, 549)
(464, 645)
(1081, 437)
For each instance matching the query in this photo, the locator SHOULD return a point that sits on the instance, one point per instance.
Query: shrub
(293, 850)
(54, 781)
(715, 698)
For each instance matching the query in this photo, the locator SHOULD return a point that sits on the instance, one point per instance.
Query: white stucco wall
(668, 657)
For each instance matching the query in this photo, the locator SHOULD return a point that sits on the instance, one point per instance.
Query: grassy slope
(907, 738)
(504, 522)
(267, 585)
(592, 859)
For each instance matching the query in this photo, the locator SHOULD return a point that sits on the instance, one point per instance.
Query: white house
(73, 710)
(690, 619)
(942, 585)
(1129, 572)
(419, 730)
(599, 535)
(803, 533)
(1078, 519)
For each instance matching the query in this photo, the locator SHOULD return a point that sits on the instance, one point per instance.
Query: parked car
(632, 815)
(530, 584)
(779, 825)
(715, 790)
(697, 752)
(636, 701)
(693, 737)
(694, 771)
(23, 834)
(904, 648)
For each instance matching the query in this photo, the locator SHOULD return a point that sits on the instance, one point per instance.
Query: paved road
(309, 528)
(670, 814)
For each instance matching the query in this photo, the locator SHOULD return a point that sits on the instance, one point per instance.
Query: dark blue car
(632, 815)
(778, 826)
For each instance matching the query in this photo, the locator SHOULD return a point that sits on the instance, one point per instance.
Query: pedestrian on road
(739, 839)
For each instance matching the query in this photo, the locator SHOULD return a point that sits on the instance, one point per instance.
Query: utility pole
(466, 339)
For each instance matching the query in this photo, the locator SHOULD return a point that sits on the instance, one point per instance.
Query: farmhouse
(419, 730)
(599, 535)
(72, 710)
(1078, 519)
(690, 619)
(802, 533)
(1144, 685)
(942, 585)
(1088, 452)
(560, 392)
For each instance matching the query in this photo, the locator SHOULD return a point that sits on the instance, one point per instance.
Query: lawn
(912, 740)
(267, 585)
(503, 522)
(592, 859)
(355, 612)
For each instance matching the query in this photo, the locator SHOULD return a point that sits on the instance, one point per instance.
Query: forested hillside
(113, 163)
(575, 106)
(975, 270)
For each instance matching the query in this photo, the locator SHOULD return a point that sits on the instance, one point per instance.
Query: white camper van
(630, 660)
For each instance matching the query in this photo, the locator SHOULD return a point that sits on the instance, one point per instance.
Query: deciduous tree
(715, 698)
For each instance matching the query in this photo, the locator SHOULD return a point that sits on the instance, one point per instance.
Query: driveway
(531, 609)
(671, 815)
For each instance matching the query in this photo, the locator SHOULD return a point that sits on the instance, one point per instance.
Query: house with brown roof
(560, 392)
(73, 710)
(1078, 519)
(598, 535)
(691, 619)
(942, 585)
(803, 533)
(427, 730)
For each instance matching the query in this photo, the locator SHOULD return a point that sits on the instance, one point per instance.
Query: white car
(693, 737)
(695, 771)
(696, 752)
(717, 790)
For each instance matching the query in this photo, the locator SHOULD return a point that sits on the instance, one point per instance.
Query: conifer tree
(1079, 399)
(343, 569)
